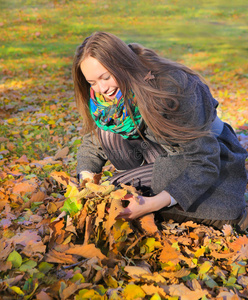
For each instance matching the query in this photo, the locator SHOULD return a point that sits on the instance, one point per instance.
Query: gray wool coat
(206, 175)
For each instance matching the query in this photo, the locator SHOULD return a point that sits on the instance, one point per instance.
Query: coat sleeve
(90, 156)
(189, 173)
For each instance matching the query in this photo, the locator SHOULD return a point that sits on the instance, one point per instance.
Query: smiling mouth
(111, 94)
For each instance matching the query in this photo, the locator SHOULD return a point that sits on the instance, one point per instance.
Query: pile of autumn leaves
(60, 240)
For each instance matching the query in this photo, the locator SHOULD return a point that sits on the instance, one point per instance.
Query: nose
(102, 86)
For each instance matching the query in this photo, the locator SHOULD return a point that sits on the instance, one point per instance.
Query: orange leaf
(87, 251)
(119, 194)
(63, 178)
(115, 209)
(24, 187)
(148, 224)
(22, 160)
(238, 243)
(169, 254)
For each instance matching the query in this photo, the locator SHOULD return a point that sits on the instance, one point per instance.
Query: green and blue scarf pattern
(113, 115)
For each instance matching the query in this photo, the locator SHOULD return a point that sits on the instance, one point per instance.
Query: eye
(106, 78)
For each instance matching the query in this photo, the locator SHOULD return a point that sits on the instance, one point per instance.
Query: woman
(156, 121)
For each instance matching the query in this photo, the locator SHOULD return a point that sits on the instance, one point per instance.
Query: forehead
(92, 68)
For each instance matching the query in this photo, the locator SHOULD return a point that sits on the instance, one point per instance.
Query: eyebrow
(98, 77)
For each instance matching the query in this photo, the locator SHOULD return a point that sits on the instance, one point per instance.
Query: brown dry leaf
(169, 254)
(34, 249)
(180, 290)
(151, 290)
(155, 277)
(22, 160)
(61, 153)
(88, 228)
(81, 218)
(95, 188)
(5, 266)
(115, 209)
(63, 178)
(10, 146)
(101, 210)
(147, 223)
(135, 271)
(227, 230)
(71, 289)
(25, 238)
(43, 296)
(87, 251)
(36, 197)
(14, 280)
(57, 232)
(5, 249)
(177, 274)
(24, 187)
(225, 295)
(54, 256)
(69, 225)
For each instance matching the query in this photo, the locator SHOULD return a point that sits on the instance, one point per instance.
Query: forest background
(40, 131)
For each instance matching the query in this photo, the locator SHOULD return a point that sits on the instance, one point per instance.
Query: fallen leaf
(87, 251)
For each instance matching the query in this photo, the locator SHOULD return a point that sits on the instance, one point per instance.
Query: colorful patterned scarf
(113, 116)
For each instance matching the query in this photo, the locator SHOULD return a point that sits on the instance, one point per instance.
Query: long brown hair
(158, 97)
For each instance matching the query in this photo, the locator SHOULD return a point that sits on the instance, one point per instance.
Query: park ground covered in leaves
(59, 239)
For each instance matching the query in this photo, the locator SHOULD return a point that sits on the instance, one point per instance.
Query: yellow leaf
(200, 252)
(95, 188)
(71, 191)
(204, 268)
(17, 290)
(133, 291)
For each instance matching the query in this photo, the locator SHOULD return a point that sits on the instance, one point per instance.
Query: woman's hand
(145, 205)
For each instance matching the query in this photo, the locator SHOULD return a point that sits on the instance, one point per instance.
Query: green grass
(46, 31)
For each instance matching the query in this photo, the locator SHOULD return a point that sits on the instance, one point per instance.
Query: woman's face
(99, 78)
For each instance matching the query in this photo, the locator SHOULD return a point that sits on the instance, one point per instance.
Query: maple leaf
(169, 254)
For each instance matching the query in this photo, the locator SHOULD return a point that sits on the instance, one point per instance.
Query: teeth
(111, 93)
